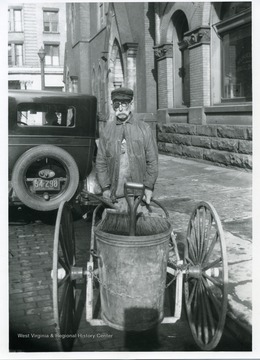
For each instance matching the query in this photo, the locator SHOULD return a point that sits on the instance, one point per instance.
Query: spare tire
(44, 176)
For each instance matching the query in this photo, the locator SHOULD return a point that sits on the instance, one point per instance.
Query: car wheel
(44, 176)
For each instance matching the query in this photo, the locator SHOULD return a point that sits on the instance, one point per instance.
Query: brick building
(189, 65)
(32, 26)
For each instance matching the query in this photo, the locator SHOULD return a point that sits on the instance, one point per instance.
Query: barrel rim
(102, 235)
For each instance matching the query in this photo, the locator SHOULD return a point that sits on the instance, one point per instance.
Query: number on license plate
(41, 184)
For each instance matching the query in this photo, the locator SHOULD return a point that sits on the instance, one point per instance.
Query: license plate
(46, 185)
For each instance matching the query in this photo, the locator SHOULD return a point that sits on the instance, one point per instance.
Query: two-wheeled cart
(133, 272)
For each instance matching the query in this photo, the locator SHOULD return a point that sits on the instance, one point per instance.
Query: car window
(33, 114)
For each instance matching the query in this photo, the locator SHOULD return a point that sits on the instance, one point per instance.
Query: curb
(243, 332)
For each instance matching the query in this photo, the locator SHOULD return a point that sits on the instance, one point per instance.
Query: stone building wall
(220, 144)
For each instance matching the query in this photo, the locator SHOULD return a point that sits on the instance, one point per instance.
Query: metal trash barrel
(132, 275)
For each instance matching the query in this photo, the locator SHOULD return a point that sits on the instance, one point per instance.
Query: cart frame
(203, 274)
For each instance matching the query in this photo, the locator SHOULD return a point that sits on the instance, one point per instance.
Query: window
(52, 57)
(50, 21)
(15, 20)
(15, 54)
(236, 64)
(18, 51)
(236, 52)
(45, 115)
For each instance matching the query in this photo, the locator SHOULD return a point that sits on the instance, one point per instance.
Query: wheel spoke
(204, 316)
(64, 266)
(63, 298)
(70, 237)
(197, 221)
(212, 245)
(192, 293)
(209, 312)
(199, 328)
(69, 308)
(192, 246)
(207, 236)
(195, 242)
(62, 281)
(64, 248)
(189, 260)
(215, 301)
(202, 232)
(214, 281)
(211, 265)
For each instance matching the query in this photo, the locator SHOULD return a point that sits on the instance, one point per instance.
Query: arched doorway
(181, 61)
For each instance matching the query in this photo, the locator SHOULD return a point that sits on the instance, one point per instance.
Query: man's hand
(148, 195)
(107, 194)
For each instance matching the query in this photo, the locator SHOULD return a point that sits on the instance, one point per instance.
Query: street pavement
(181, 184)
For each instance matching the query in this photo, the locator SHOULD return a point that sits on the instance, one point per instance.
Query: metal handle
(135, 186)
(133, 205)
(162, 207)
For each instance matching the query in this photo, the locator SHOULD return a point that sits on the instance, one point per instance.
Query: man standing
(127, 150)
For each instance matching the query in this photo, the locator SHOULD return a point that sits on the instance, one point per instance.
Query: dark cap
(122, 93)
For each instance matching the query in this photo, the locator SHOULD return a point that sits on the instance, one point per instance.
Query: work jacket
(141, 149)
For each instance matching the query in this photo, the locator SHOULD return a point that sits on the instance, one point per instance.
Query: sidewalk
(181, 185)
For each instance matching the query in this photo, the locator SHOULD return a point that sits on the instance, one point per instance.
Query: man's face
(122, 109)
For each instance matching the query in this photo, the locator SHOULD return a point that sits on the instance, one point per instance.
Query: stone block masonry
(221, 144)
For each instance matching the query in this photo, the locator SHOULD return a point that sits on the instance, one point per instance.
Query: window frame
(52, 45)
(14, 55)
(11, 19)
(48, 10)
(223, 28)
(17, 55)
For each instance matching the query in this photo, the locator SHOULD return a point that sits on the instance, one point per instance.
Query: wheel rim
(206, 279)
(64, 302)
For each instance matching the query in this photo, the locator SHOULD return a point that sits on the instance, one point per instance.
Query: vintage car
(51, 146)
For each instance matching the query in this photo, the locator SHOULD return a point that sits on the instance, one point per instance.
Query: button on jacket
(141, 148)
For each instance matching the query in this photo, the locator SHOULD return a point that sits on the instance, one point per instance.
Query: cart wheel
(64, 294)
(206, 280)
